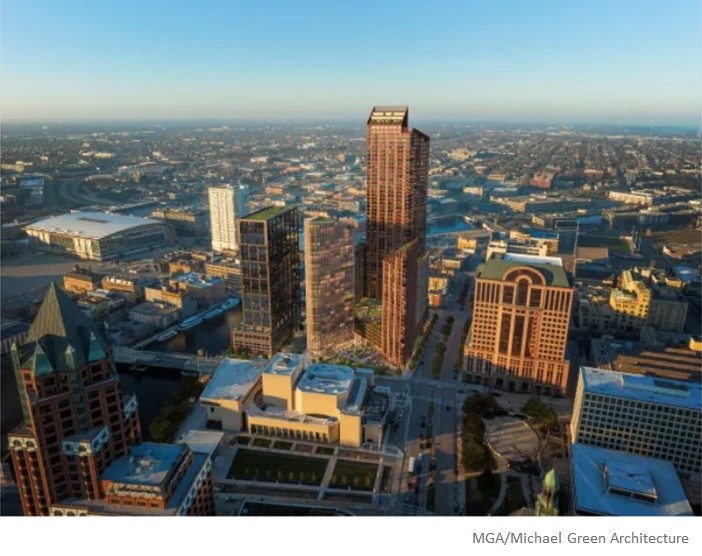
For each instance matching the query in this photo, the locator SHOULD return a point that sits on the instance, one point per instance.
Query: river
(212, 336)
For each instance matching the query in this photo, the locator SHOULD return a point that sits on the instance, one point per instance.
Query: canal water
(212, 336)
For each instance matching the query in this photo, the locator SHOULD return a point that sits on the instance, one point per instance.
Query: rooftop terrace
(326, 379)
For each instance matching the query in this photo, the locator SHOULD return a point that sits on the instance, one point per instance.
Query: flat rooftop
(196, 280)
(232, 380)
(202, 441)
(326, 379)
(174, 502)
(146, 464)
(267, 213)
(284, 364)
(608, 482)
(90, 225)
(664, 391)
(550, 267)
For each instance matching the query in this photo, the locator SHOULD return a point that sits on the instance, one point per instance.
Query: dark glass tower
(270, 280)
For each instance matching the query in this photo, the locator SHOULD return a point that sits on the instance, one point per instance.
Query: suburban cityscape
(359, 318)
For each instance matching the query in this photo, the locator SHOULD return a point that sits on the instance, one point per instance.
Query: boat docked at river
(213, 313)
(167, 335)
(230, 303)
(189, 323)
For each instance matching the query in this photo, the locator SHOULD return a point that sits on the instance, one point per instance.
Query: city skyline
(508, 62)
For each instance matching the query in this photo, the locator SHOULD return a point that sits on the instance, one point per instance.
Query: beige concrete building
(329, 283)
(517, 340)
(183, 300)
(80, 280)
(233, 385)
(290, 398)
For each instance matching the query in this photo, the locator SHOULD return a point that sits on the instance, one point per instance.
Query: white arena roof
(90, 225)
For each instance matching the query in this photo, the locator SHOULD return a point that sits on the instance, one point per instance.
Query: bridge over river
(186, 363)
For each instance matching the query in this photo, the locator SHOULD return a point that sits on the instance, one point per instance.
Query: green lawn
(325, 450)
(261, 442)
(613, 243)
(262, 466)
(358, 476)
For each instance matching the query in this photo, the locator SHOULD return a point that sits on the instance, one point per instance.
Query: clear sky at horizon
(622, 61)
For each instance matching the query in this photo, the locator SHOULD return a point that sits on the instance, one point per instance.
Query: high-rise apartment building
(521, 313)
(76, 420)
(329, 283)
(646, 415)
(396, 195)
(398, 171)
(77, 452)
(228, 203)
(270, 280)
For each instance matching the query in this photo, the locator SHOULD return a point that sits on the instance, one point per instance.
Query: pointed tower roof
(58, 326)
(58, 316)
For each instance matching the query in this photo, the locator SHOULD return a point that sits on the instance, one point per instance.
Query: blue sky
(615, 61)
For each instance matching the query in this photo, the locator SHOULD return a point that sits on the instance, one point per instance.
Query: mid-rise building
(76, 419)
(521, 314)
(270, 280)
(228, 203)
(639, 301)
(81, 280)
(638, 414)
(203, 289)
(329, 283)
(185, 222)
(151, 480)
